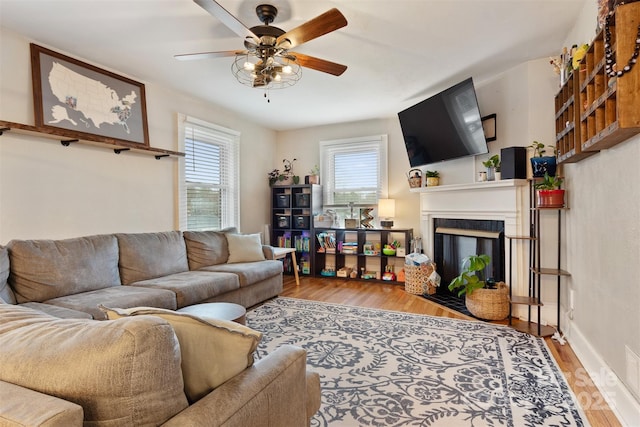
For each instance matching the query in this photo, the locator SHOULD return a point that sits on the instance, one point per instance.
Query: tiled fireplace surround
(505, 200)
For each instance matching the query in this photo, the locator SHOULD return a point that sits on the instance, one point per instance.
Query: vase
(286, 181)
(433, 181)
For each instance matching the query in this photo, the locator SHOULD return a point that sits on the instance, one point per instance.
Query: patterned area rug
(385, 368)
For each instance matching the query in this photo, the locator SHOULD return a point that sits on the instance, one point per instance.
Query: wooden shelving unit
(568, 142)
(358, 258)
(292, 209)
(610, 106)
(67, 138)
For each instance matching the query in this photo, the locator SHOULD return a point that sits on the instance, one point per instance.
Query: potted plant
(548, 192)
(314, 175)
(286, 177)
(433, 178)
(493, 167)
(484, 299)
(541, 164)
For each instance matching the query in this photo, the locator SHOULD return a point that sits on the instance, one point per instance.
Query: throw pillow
(213, 351)
(244, 248)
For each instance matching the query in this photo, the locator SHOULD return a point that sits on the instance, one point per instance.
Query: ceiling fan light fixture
(275, 72)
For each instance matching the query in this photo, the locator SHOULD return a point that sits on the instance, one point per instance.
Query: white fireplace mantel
(504, 200)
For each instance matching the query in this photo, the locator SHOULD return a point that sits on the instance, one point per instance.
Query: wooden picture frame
(78, 100)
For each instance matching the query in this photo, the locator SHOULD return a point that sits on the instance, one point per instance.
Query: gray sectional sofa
(63, 364)
(71, 277)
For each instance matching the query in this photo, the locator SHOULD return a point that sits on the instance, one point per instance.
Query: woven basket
(489, 304)
(415, 180)
(417, 279)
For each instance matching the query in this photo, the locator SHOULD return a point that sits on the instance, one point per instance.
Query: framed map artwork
(86, 101)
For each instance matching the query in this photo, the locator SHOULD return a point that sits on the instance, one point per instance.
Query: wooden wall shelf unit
(67, 138)
(350, 249)
(568, 142)
(610, 106)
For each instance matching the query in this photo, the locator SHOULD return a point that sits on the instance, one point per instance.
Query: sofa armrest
(273, 392)
(17, 408)
(268, 252)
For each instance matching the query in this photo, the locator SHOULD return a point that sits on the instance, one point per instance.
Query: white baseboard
(615, 393)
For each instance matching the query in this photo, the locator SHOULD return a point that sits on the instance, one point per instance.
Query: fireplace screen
(456, 239)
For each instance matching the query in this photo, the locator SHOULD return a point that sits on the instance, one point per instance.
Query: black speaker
(513, 163)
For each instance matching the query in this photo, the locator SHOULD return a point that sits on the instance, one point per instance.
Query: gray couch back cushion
(6, 294)
(205, 248)
(46, 269)
(123, 373)
(149, 255)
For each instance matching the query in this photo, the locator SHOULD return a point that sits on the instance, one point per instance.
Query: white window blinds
(209, 176)
(354, 170)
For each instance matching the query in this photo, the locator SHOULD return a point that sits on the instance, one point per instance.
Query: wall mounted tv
(444, 127)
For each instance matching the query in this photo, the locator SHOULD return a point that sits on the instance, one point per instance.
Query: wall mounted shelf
(66, 139)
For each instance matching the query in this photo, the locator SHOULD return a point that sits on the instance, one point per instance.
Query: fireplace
(454, 239)
(502, 206)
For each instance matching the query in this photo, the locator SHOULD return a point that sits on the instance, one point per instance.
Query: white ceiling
(398, 51)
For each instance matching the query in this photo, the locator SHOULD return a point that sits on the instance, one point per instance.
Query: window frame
(229, 141)
(377, 142)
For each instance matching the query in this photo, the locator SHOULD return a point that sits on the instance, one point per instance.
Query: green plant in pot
(493, 167)
(433, 178)
(548, 192)
(541, 164)
(484, 299)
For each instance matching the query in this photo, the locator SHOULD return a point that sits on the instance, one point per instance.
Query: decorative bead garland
(609, 60)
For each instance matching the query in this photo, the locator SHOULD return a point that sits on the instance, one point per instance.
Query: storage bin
(301, 222)
(282, 200)
(303, 200)
(283, 221)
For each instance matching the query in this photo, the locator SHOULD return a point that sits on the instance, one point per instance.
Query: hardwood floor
(393, 297)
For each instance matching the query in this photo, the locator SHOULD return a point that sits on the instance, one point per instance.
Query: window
(209, 191)
(354, 170)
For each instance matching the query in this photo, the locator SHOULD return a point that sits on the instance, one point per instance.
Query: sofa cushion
(6, 294)
(125, 372)
(250, 272)
(213, 351)
(120, 296)
(207, 247)
(192, 287)
(244, 248)
(18, 403)
(45, 269)
(57, 311)
(148, 255)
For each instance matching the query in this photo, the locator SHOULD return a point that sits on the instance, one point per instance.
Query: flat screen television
(444, 127)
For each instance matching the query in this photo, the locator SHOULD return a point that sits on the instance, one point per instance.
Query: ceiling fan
(267, 61)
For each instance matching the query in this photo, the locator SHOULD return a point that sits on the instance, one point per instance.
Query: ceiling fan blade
(209, 55)
(329, 21)
(318, 64)
(215, 9)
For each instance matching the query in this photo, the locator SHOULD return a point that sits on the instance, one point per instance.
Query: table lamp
(386, 210)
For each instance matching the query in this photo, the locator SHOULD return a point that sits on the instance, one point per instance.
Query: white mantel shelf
(485, 185)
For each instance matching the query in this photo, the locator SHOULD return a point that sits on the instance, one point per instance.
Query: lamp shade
(386, 208)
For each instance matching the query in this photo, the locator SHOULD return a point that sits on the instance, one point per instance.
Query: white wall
(51, 191)
(603, 251)
(521, 97)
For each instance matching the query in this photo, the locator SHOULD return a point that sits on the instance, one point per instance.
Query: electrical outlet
(633, 370)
